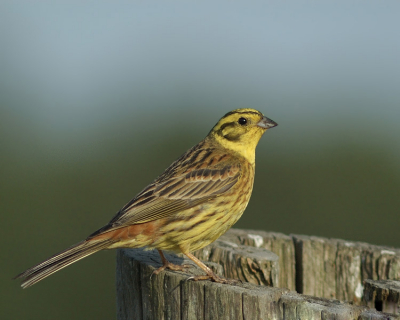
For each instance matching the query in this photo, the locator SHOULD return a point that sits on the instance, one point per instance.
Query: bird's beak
(266, 123)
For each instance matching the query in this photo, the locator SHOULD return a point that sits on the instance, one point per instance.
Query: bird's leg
(210, 274)
(169, 265)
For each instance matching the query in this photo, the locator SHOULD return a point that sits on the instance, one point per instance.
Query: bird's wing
(180, 193)
(185, 184)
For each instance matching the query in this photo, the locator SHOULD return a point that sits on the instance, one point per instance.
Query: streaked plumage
(196, 200)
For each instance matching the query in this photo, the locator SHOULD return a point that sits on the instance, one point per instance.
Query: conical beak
(267, 123)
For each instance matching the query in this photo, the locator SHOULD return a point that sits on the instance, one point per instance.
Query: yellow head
(240, 130)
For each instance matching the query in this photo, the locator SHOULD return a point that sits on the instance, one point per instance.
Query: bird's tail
(62, 260)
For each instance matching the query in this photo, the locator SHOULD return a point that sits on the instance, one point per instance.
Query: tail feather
(61, 260)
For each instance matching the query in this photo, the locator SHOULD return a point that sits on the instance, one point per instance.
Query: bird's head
(240, 130)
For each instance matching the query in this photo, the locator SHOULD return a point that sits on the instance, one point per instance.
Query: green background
(97, 99)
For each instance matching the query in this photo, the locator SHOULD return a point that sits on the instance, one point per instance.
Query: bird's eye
(242, 121)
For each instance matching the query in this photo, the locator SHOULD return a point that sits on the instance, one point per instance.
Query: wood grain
(322, 269)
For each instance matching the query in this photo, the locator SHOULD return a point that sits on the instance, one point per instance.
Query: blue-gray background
(97, 98)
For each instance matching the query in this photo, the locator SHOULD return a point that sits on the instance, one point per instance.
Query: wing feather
(183, 185)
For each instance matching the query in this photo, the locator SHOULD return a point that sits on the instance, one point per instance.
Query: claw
(214, 278)
(171, 266)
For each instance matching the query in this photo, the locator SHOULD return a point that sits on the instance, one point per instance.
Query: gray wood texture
(334, 268)
(271, 266)
(245, 263)
(278, 243)
(384, 295)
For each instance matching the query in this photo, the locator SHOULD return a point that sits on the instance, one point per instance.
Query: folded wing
(185, 184)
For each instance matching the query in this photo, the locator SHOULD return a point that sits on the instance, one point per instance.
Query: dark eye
(242, 121)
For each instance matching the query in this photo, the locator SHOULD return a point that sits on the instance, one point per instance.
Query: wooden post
(322, 267)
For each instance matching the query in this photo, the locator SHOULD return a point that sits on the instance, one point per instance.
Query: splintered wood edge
(245, 263)
(279, 243)
(383, 295)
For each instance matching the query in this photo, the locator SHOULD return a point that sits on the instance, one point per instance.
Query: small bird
(191, 204)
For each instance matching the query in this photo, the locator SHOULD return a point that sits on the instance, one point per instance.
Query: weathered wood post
(334, 279)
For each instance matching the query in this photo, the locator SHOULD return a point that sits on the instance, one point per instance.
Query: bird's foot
(171, 266)
(213, 277)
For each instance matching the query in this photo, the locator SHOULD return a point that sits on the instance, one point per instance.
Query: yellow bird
(191, 204)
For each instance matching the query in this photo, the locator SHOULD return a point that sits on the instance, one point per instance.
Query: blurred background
(98, 98)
